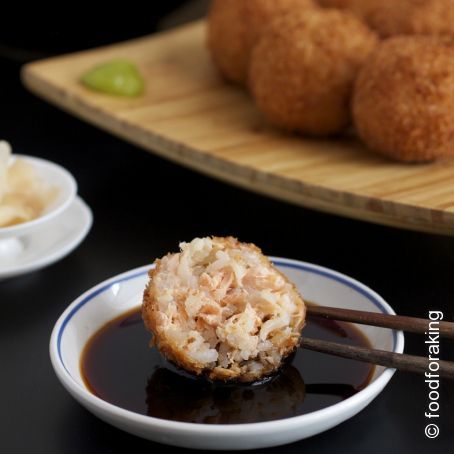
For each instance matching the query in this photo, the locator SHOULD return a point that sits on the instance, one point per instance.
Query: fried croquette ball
(233, 27)
(359, 7)
(303, 68)
(412, 17)
(403, 103)
(402, 17)
(220, 308)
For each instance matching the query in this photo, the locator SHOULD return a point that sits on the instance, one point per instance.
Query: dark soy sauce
(118, 366)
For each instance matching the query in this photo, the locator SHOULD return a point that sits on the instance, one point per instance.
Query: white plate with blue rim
(122, 293)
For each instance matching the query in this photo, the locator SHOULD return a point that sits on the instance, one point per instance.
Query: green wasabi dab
(116, 77)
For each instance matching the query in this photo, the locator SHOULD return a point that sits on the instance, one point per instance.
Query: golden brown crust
(359, 7)
(246, 369)
(403, 103)
(303, 68)
(426, 17)
(233, 27)
(401, 17)
(151, 316)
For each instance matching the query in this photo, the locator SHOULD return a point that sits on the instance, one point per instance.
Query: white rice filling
(226, 306)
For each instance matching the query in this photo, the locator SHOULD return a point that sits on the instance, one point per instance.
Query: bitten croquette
(221, 309)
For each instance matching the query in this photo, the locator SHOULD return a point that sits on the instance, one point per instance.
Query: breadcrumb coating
(234, 26)
(402, 17)
(303, 68)
(403, 104)
(408, 17)
(359, 7)
(220, 308)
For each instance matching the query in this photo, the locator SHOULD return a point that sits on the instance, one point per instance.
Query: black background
(143, 206)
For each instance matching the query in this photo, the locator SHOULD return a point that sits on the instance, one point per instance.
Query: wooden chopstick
(408, 324)
(399, 361)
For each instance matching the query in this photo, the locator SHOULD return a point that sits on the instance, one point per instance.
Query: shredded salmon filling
(219, 307)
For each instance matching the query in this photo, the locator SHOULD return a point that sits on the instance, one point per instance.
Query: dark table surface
(143, 206)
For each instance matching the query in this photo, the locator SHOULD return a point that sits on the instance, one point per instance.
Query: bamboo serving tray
(189, 115)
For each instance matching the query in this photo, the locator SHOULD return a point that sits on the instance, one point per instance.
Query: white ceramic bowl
(115, 296)
(43, 247)
(56, 176)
